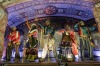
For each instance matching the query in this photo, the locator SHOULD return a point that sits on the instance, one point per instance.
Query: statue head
(14, 28)
(47, 22)
(82, 23)
(67, 27)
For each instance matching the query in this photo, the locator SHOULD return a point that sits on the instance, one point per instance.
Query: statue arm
(27, 23)
(76, 27)
(41, 25)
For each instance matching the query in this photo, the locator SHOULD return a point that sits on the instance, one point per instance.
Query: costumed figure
(46, 33)
(32, 43)
(14, 42)
(58, 38)
(66, 46)
(85, 39)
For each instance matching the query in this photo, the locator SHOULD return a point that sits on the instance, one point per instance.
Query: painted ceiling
(18, 10)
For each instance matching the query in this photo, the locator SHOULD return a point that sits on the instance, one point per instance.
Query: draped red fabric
(74, 49)
(14, 37)
(74, 43)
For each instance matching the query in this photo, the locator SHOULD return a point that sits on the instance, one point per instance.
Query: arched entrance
(35, 11)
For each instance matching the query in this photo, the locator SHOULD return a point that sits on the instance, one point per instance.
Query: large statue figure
(58, 38)
(67, 44)
(61, 39)
(46, 35)
(32, 44)
(31, 49)
(14, 38)
(85, 39)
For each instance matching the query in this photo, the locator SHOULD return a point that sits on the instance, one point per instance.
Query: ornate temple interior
(52, 32)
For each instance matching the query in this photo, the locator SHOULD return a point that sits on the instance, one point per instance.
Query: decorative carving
(50, 10)
(39, 8)
(8, 3)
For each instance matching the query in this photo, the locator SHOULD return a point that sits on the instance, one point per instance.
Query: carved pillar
(3, 23)
(96, 36)
(96, 12)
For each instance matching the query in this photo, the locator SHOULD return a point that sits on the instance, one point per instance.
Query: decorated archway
(13, 11)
